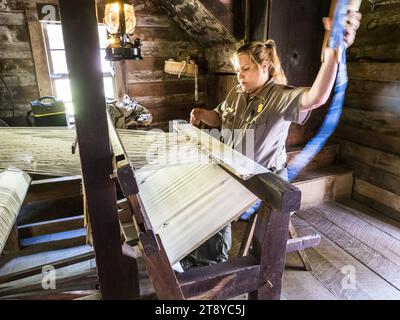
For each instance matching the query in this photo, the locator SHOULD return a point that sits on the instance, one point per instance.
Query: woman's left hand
(351, 24)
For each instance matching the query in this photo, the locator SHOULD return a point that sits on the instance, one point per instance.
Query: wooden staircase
(52, 216)
(324, 184)
(49, 232)
(323, 179)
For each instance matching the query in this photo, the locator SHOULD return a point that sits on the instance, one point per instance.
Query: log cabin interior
(81, 220)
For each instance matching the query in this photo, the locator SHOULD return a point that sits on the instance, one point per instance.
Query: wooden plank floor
(358, 258)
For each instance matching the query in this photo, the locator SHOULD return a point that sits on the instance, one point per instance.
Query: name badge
(260, 108)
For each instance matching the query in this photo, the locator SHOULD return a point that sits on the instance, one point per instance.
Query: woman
(264, 106)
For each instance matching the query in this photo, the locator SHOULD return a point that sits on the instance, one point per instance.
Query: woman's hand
(209, 117)
(351, 24)
(195, 118)
(322, 86)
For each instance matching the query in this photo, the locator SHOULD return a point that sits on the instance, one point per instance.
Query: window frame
(54, 76)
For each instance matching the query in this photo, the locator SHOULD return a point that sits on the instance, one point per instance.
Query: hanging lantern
(119, 17)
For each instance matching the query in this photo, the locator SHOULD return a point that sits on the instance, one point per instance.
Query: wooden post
(83, 58)
(259, 19)
(269, 246)
(248, 236)
(302, 254)
(160, 271)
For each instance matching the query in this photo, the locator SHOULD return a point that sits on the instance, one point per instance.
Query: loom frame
(258, 272)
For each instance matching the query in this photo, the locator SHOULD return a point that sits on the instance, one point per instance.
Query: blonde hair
(260, 52)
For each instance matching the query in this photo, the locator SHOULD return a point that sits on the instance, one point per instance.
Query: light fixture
(119, 17)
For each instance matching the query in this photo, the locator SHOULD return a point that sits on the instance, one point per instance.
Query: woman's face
(251, 76)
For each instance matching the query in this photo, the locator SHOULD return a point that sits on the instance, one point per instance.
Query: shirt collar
(261, 92)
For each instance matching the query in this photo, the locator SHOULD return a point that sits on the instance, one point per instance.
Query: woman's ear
(265, 67)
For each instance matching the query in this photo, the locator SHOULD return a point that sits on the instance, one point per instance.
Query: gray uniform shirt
(258, 126)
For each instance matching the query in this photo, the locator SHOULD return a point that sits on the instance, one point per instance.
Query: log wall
(16, 62)
(370, 126)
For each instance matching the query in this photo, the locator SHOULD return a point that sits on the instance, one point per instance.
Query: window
(58, 65)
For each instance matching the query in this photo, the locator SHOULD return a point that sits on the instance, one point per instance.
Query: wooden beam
(387, 52)
(38, 269)
(326, 157)
(53, 226)
(381, 122)
(370, 139)
(64, 295)
(198, 21)
(301, 243)
(259, 19)
(372, 101)
(160, 271)
(280, 194)
(222, 281)
(158, 88)
(83, 59)
(55, 188)
(377, 37)
(45, 243)
(86, 280)
(247, 236)
(375, 158)
(293, 242)
(380, 178)
(377, 71)
(383, 200)
(39, 53)
(231, 19)
(269, 246)
(47, 210)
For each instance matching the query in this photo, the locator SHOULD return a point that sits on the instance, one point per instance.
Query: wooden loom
(177, 208)
(178, 204)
